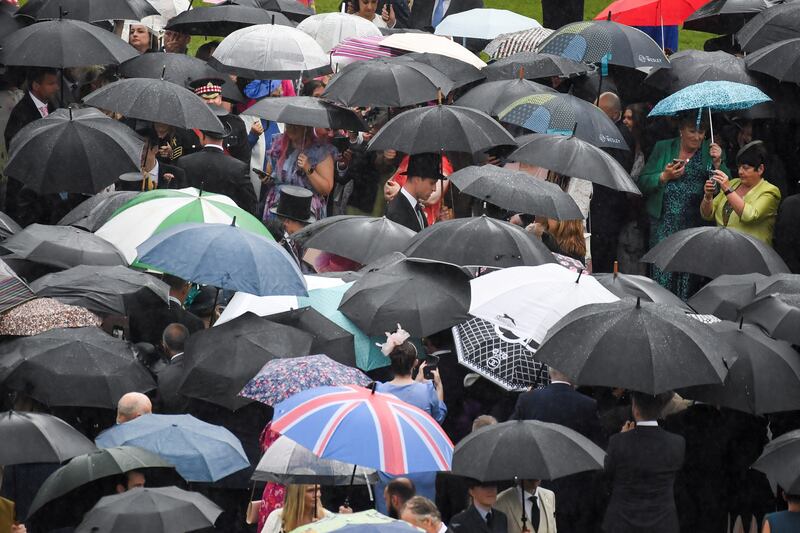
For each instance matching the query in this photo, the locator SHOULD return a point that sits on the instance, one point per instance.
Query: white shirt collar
(564, 382)
(38, 103)
(481, 509)
(173, 299)
(442, 528)
(649, 423)
(218, 147)
(410, 197)
(176, 355)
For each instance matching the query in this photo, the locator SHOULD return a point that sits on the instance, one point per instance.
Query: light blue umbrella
(200, 451)
(224, 256)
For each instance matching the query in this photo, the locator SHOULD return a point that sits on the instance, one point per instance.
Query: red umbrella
(650, 12)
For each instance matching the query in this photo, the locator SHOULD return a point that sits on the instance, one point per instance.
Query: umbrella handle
(350, 487)
(522, 496)
(711, 125)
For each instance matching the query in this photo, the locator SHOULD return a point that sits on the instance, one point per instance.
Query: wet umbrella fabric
(363, 522)
(459, 72)
(492, 97)
(778, 23)
(780, 461)
(79, 151)
(478, 241)
(87, 10)
(633, 286)
(534, 65)
(8, 226)
(199, 451)
(778, 314)
(174, 67)
(640, 346)
(725, 295)
(222, 20)
(292, 9)
(781, 283)
(307, 111)
(38, 315)
(96, 210)
(779, 60)
(649, 12)
(492, 453)
(328, 337)
(330, 29)
(39, 438)
(711, 95)
(63, 247)
(688, 67)
(155, 510)
(725, 16)
(13, 291)
(8, 22)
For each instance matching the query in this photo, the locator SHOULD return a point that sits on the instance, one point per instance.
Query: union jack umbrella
(357, 425)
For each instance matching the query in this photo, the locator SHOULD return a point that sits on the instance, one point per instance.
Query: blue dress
(783, 522)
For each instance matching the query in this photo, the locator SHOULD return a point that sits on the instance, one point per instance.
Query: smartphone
(431, 364)
(716, 183)
(678, 162)
(263, 176)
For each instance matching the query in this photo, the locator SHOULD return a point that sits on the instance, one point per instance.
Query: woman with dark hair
(367, 9)
(634, 119)
(313, 88)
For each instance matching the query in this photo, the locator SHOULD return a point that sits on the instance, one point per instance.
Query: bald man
(133, 405)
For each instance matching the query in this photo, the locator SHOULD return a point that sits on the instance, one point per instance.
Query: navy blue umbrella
(224, 256)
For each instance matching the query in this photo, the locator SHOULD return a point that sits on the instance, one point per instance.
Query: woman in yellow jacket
(748, 203)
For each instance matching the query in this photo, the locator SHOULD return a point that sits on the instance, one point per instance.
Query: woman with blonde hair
(303, 506)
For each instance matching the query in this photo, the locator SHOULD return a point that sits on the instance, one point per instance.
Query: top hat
(427, 165)
(294, 203)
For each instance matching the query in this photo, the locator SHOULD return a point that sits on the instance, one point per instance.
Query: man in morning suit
(540, 507)
(427, 14)
(406, 208)
(155, 174)
(147, 324)
(480, 516)
(641, 464)
(170, 378)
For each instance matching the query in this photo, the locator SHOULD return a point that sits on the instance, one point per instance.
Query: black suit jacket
(560, 403)
(178, 182)
(401, 211)
(422, 11)
(169, 382)
(786, 236)
(471, 521)
(23, 114)
(641, 466)
(147, 323)
(212, 170)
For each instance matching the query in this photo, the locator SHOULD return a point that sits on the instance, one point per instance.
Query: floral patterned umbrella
(282, 378)
(43, 314)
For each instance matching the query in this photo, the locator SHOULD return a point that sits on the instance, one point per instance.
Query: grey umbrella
(292, 9)
(459, 72)
(63, 247)
(38, 438)
(492, 97)
(334, 341)
(222, 20)
(688, 67)
(633, 286)
(779, 60)
(725, 295)
(8, 226)
(782, 283)
(96, 210)
(778, 23)
(533, 65)
(307, 111)
(780, 461)
(87, 10)
(778, 314)
(726, 16)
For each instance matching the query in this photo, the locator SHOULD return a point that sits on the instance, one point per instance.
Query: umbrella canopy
(358, 238)
(307, 111)
(778, 23)
(96, 210)
(688, 67)
(336, 342)
(592, 41)
(492, 453)
(87, 10)
(780, 461)
(725, 16)
(70, 491)
(156, 510)
(105, 290)
(360, 426)
(725, 295)
(499, 356)
(441, 128)
(63, 247)
(280, 379)
(199, 451)
(778, 314)
(39, 438)
(8, 22)
(424, 297)
(570, 156)
(630, 285)
(8, 226)
(248, 343)
(13, 291)
(516, 191)
(75, 367)
(782, 283)
(765, 378)
(224, 256)
(287, 462)
(459, 72)
(714, 95)
(564, 114)
(154, 211)
(156, 101)
(38, 315)
(479, 242)
(713, 251)
(779, 60)
(493, 97)
(519, 41)
(329, 29)
(587, 345)
(533, 65)
(70, 43)
(222, 20)
(81, 151)
(294, 10)
(432, 44)
(364, 522)
(270, 51)
(650, 12)
(530, 300)
(484, 23)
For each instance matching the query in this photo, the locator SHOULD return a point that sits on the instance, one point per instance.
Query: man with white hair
(133, 405)
(420, 512)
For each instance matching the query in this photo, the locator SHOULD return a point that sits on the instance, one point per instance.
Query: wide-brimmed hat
(294, 203)
(427, 165)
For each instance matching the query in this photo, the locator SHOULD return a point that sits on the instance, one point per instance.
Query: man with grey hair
(420, 512)
(133, 405)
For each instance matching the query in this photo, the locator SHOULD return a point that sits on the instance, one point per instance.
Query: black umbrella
(358, 238)
(221, 360)
(441, 128)
(695, 66)
(765, 378)
(13, 291)
(550, 451)
(573, 157)
(772, 25)
(423, 297)
(725, 16)
(780, 461)
(783, 283)
(641, 346)
(633, 286)
(104, 290)
(73, 367)
(222, 20)
(87, 10)
(534, 65)
(8, 22)
(713, 251)
(156, 101)
(329, 338)
(479, 242)
(516, 191)
(8, 226)
(80, 151)
(64, 43)
(780, 60)
(69, 492)
(459, 72)
(162, 510)
(778, 314)
(725, 295)
(307, 111)
(63, 247)
(387, 82)
(97, 210)
(292, 9)
(39, 438)
(493, 97)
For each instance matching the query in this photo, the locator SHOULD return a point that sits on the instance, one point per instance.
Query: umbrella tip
(580, 273)
(616, 269)
(638, 302)
(372, 386)
(574, 129)
(741, 321)
(439, 95)
(163, 71)
(608, 17)
(233, 222)
(522, 73)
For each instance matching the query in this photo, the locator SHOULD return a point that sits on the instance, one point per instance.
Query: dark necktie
(534, 524)
(420, 215)
(489, 519)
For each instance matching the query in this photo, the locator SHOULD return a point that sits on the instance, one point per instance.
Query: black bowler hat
(294, 203)
(427, 165)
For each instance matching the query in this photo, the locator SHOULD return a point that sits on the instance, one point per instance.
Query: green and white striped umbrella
(154, 211)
